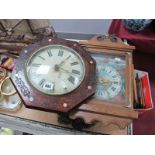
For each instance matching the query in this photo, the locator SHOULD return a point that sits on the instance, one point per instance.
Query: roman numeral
(36, 65)
(110, 71)
(41, 57)
(113, 88)
(60, 53)
(71, 79)
(49, 53)
(65, 89)
(114, 76)
(99, 93)
(76, 72)
(74, 63)
(42, 82)
(115, 82)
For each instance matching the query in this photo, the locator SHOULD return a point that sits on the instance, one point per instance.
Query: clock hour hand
(104, 81)
(62, 62)
(66, 71)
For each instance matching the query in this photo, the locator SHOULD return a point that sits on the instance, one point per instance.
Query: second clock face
(55, 70)
(111, 76)
(109, 82)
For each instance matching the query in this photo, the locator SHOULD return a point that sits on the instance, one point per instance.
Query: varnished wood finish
(97, 106)
(52, 118)
(34, 99)
(106, 120)
(94, 110)
(115, 48)
(107, 44)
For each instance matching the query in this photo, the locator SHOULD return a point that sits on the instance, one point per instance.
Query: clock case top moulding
(93, 110)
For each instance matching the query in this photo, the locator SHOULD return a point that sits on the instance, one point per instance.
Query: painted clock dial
(110, 77)
(109, 82)
(55, 70)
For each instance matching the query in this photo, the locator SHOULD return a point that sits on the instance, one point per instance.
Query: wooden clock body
(106, 111)
(60, 103)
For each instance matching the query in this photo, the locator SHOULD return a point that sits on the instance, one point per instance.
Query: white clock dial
(55, 70)
(109, 82)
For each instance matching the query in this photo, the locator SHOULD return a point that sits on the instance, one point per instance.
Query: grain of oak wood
(104, 108)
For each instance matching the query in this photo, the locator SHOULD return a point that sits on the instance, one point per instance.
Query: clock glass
(110, 77)
(55, 70)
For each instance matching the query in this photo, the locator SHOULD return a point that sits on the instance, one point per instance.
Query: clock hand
(62, 62)
(104, 81)
(66, 71)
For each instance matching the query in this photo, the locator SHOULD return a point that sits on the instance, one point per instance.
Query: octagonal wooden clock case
(54, 75)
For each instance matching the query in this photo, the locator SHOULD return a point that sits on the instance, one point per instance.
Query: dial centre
(56, 68)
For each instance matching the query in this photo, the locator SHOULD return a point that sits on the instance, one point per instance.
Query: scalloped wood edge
(107, 44)
(103, 107)
(106, 113)
(106, 120)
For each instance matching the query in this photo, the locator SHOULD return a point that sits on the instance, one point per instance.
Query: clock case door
(95, 110)
(117, 48)
(125, 96)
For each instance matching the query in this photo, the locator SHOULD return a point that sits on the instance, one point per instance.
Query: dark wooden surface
(47, 102)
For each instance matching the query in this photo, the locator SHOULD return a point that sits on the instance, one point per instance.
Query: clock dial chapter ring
(71, 61)
(108, 83)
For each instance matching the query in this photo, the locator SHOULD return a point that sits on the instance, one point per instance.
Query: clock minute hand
(62, 62)
(65, 70)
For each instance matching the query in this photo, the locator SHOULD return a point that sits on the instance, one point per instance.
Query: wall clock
(114, 74)
(54, 74)
(112, 103)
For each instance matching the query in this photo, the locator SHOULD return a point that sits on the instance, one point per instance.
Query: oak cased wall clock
(112, 103)
(55, 75)
(114, 72)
